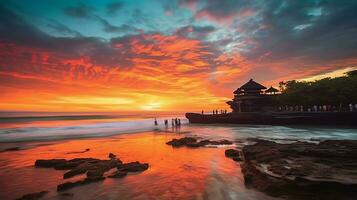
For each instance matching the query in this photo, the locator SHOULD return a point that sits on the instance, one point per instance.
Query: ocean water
(174, 173)
(17, 127)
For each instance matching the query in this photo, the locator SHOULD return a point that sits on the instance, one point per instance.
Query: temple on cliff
(253, 97)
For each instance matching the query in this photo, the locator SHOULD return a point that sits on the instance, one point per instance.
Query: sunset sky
(164, 55)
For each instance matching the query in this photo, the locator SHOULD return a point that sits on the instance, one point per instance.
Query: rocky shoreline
(194, 142)
(295, 170)
(302, 170)
(94, 169)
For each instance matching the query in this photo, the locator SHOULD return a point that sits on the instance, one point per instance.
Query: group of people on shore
(319, 108)
(215, 112)
(174, 122)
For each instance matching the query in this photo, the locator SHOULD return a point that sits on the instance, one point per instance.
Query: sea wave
(34, 128)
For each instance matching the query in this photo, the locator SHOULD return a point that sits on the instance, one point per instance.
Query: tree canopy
(327, 91)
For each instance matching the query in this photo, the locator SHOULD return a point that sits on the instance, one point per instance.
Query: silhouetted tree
(327, 91)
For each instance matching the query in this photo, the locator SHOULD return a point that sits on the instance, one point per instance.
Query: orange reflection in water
(174, 173)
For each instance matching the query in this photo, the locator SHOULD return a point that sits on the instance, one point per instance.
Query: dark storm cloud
(113, 8)
(86, 12)
(199, 32)
(316, 30)
(319, 30)
(61, 28)
(279, 30)
(15, 30)
(79, 11)
(118, 52)
(218, 10)
(225, 8)
(110, 28)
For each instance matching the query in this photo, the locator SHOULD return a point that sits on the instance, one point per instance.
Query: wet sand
(174, 173)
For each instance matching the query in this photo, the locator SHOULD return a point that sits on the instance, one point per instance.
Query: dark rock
(95, 173)
(74, 172)
(221, 142)
(227, 142)
(192, 142)
(66, 165)
(67, 194)
(74, 152)
(237, 158)
(302, 170)
(62, 164)
(232, 153)
(33, 196)
(133, 167)
(203, 143)
(194, 145)
(80, 165)
(118, 174)
(68, 185)
(112, 156)
(95, 167)
(49, 163)
(12, 149)
(182, 141)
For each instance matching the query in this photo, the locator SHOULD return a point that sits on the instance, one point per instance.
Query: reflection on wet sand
(174, 173)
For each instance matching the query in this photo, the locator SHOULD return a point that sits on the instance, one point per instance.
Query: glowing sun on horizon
(151, 106)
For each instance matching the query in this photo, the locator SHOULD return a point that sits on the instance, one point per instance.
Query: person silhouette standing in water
(155, 122)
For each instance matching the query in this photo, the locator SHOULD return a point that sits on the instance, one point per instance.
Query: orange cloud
(163, 75)
(143, 72)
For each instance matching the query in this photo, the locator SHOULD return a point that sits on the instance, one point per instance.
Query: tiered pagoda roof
(271, 90)
(251, 85)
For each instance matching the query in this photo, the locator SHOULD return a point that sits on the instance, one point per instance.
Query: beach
(173, 173)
